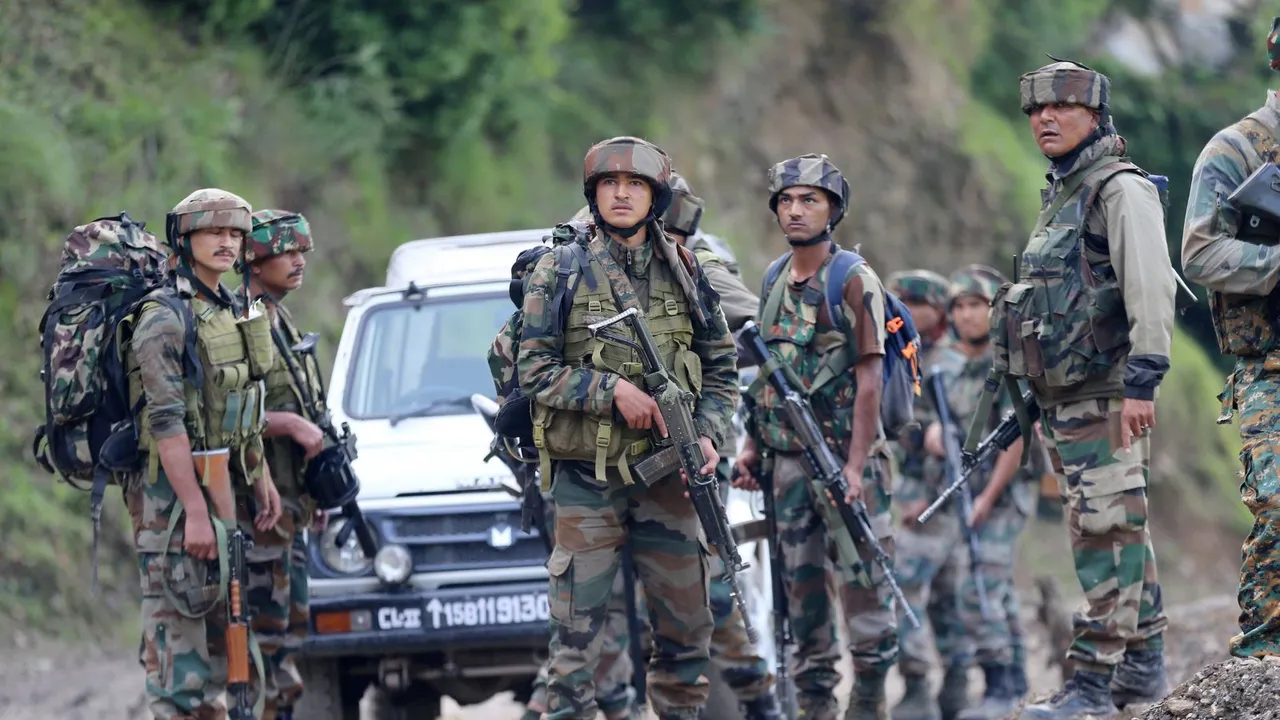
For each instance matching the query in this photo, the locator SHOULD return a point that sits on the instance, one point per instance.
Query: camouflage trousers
(1104, 493)
(1255, 392)
(998, 640)
(929, 561)
(278, 605)
(808, 554)
(593, 522)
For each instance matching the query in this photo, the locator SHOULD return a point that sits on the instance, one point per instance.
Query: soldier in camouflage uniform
(183, 607)
(930, 557)
(1002, 500)
(1231, 252)
(278, 595)
(1089, 329)
(592, 424)
(809, 196)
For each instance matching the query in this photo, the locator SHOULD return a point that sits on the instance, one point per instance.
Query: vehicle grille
(465, 539)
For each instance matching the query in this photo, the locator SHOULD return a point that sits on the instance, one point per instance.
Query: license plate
(511, 609)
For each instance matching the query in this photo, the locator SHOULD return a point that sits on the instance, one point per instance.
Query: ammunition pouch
(259, 346)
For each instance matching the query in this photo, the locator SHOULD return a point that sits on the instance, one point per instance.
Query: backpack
(109, 266)
(901, 345)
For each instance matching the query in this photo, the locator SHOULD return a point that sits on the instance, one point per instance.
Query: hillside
(380, 136)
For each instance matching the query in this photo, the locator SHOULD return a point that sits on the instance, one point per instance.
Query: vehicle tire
(722, 702)
(323, 696)
(419, 702)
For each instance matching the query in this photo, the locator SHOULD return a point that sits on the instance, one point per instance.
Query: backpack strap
(773, 302)
(840, 360)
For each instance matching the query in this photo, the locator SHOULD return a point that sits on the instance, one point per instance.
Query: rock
(1238, 688)
(1179, 707)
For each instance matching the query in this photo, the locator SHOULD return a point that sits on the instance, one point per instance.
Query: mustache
(225, 252)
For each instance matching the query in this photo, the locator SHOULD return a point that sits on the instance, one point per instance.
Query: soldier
(1229, 250)
(809, 197)
(1002, 501)
(593, 422)
(930, 557)
(278, 562)
(184, 643)
(1089, 328)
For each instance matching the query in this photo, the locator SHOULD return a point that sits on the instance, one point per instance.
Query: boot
(998, 699)
(531, 714)
(764, 707)
(954, 695)
(817, 707)
(1140, 678)
(1018, 679)
(1086, 695)
(284, 713)
(869, 702)
(917, 702)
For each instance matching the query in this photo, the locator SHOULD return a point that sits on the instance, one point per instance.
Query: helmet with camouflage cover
(208, 208)
(810, 170)
(626, 154)
(276, 232)
(920, 286)
(685, 212)
(1065, 81)
(976, 280)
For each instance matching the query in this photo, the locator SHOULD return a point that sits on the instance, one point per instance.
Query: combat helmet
(276, 232)
(630, 155)
(208, 208)
(811, 170)
(920, 286)
(975, 280)
(685, 213)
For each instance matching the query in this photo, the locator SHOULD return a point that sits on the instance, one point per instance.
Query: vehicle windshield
(423, 359)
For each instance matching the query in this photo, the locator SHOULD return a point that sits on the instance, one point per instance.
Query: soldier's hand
(911, 512)
(268, 498)
(709, 452)
(199, 540)
(982, 506)
(746, 460)
(853, 476)
(320, 520)
(933, 440)
(638, 409)
(1137, 417)
(309, 436)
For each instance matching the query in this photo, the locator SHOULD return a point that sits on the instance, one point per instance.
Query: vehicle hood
(442, 454)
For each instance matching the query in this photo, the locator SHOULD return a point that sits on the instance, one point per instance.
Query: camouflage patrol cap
(685, 212)
(630, 155)
(809, 170)
(211, 208)
(1273, 54)
(977, 280)
(276, 232)
(920, 286)
(1064, 81)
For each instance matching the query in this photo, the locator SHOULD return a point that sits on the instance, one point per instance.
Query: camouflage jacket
(550, 379)
(736, 300)
(502, 355)
(284, 456)
(802, 337)
(1240, 274)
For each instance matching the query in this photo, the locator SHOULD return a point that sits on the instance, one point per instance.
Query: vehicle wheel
(722, 702)
(418, 703)
(323, 695)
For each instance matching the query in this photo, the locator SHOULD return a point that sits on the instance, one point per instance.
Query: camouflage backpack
(108, 267)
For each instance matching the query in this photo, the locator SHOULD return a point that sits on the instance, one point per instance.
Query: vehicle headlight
(393, 564)
(348, 559)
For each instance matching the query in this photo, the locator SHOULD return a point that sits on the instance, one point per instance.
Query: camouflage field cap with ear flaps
(685, 212)
(976, 280)
(810, 170)
(920, 286)
(276, 232)
(211, 208)
(1064, 82)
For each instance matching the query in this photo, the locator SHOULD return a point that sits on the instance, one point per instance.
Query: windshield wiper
(462, 401)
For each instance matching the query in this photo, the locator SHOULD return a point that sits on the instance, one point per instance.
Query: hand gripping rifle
(954, 463)
(822, 461)
(329, 478)
(675, 403)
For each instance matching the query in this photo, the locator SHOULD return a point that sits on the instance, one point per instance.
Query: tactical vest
(1250, 324)
(284, 456)
(228, 410)
(607, 441)
(817, 355)
(1062, 323)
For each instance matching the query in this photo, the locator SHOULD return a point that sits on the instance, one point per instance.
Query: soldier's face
(1059, 127)
(281, 272)
(971, 316)
(623, 199)
(216, 248)
(925, 316)
(803, 212)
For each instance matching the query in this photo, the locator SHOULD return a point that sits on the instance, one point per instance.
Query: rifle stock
(674, 403)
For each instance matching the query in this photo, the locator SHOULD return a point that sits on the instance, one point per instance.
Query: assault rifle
(822, 461)
(954, 463)
(997, 441)
(329, 478)
(674, 403)
(783, 637)
(533, 511)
